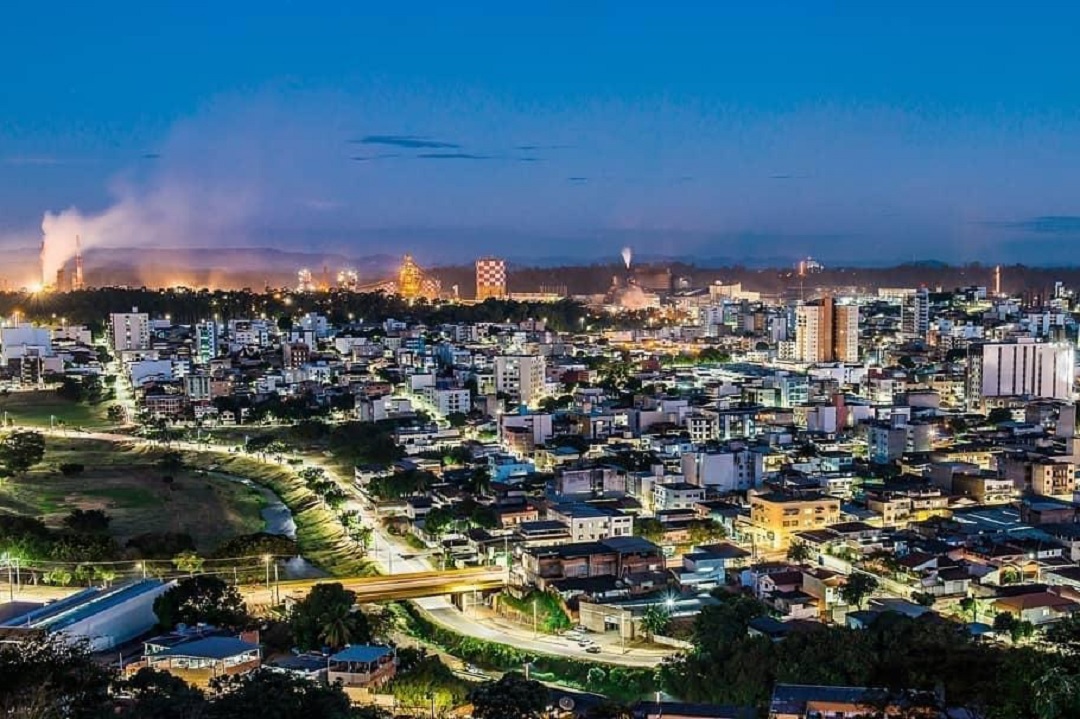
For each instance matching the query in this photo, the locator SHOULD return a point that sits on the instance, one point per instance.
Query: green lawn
(39, 407)
(125, 482)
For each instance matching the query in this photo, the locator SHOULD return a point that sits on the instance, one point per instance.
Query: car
(593, 649)
(585, 642)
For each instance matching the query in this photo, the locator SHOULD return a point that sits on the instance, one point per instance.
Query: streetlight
(535, 630)
(266, 561)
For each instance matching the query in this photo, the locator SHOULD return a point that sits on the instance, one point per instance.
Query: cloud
(413, 142)
(530, 159)
(577, 179)
(452, 156)
(151, 156)
(534, 148)
(39, 161)
(1043, 225)
(380, 156)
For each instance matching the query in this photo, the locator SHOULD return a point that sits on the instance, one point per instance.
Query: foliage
(161, 695)
(799, 552)
(1008, 625)
(656, 620)
(650, 529)
(858, 587)
(550, 616)
(201, 599)
(438, 520)
(422, 677)
(21, 450)
(46, 676)
(704, 531)
(998, 415)
(895, 653)
(325, 617)
(627, 683)
(70, 469)
(259, 544)
(161, 545)
(401, 484)
(266, 694)
(189, 562)
(87, 521)
(511, 697)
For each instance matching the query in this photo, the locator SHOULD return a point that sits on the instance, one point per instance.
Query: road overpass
(414, 585)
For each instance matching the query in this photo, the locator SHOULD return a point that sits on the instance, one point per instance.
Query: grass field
(38, 407)
(124, 481)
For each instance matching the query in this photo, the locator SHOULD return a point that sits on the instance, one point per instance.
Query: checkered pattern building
(490, 278)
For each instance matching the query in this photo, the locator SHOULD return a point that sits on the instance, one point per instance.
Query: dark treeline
(91, 307)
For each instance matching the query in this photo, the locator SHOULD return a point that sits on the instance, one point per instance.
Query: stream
(278, 519)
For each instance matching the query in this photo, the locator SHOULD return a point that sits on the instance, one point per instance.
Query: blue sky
(855, 131)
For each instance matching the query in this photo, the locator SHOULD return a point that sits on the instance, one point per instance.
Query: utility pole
(535, 632)
(277, 586)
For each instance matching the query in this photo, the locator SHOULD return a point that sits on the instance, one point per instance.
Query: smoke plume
(627, 255)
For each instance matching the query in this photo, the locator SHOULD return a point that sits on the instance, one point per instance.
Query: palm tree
(1056, 694)
(337, 629)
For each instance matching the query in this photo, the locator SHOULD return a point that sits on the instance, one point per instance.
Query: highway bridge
(383, 588)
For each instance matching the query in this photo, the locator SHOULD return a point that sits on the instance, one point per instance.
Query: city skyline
(754, 133)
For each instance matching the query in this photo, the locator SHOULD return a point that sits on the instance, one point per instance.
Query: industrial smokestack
(78, 284)
(60, 280)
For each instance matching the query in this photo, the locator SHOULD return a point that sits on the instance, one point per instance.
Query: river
(278, 519)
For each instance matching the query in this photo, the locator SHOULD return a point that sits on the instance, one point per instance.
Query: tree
(115, 413)
(258, 544)
(437, 520)
(1065, 635)
(650, 529)
(202, 599)
(189, 562)
(160, 695)
(70, 469)
(326, 617)
(87, 521)
(21, 450)
(999, 414)
(970, 604)
(161, 545)
(47, 676)
(799, 552)
(858, 587)
(457, 419)
(511, 697)
(703, 531)
(266, 694)
(656, 619)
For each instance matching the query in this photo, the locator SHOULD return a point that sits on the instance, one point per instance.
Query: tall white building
(915, 314)
(130, 330)
(520, 376)
(1044, 370)
(206, 341)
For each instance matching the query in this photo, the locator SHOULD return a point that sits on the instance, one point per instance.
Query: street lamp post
(536, 633)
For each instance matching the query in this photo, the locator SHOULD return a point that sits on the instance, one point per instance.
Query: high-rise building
(206, 341)
(490, 278)
(130, 330)
(520, 376)
(915, 314)
(827, 332)
(1024, 368)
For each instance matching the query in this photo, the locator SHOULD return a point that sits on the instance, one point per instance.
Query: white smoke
(168, 216)
(627, 256)
(214, 175)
